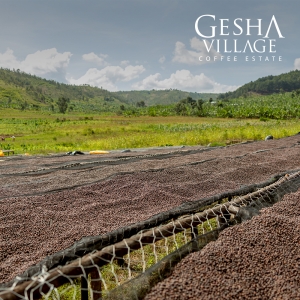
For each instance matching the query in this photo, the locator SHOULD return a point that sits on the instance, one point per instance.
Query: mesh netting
(127, 262)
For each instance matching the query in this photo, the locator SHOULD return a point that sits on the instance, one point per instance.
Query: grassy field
(44, 133)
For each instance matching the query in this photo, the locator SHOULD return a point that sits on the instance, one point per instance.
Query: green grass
(44, 133)
(140, 260)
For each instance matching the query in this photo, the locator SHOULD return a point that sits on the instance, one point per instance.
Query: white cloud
(125, 63)
(108, 76)
(183, 80)
(183, 55)
(38, 63)
(162, 59)
(8, 60)
(94, 58)
(297, 64)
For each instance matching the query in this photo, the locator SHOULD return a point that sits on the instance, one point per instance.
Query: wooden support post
(194, 232)
(120, 261)
(84, 288)
(194, 235)
(223, 219)
(96, 286)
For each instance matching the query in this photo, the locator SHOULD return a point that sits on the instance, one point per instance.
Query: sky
(151, 44)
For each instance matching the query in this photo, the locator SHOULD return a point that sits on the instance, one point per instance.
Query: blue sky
(148, 44)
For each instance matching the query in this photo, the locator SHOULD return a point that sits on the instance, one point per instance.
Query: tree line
(286, 82)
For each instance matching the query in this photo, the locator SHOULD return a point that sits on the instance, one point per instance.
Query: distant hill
(285, 82)
(23, 91)
(160, 97)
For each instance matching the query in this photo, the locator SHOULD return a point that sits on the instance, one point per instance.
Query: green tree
(141, 104)
(180, 109)
(200, 103)
(62, 104)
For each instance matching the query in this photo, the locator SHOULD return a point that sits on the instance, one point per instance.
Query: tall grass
(45, 133)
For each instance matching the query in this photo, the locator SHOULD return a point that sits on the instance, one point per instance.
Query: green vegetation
(276, 106)
(62, 104)
(50, 133)
(160, 97)
(22, 91)
(286, 82)
(48, 117)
